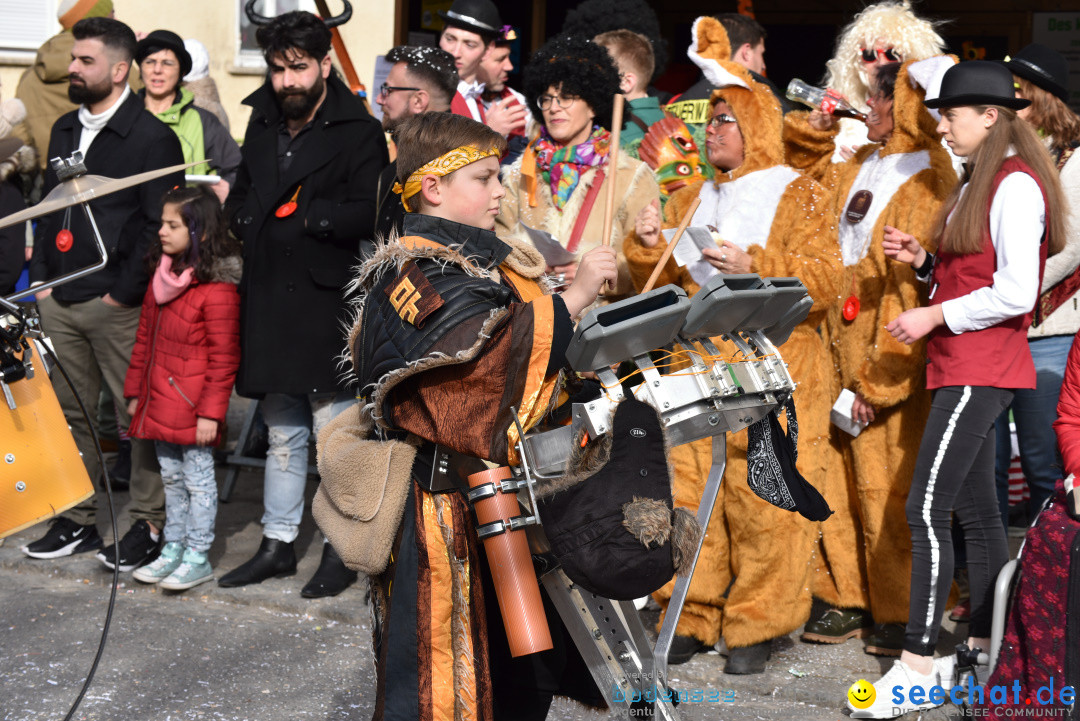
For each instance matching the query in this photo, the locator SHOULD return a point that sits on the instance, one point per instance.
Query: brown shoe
(838, 625)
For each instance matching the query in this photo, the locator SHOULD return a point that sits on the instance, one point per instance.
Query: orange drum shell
(512, 571)
(38, 455)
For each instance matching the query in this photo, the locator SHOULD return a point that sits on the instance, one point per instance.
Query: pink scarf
(166, 284)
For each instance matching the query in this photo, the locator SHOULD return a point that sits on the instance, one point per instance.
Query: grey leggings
(954, 473)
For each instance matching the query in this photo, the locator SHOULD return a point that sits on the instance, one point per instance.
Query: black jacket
(132, 142)
(293, 308)
(390, 210)
(12, 238)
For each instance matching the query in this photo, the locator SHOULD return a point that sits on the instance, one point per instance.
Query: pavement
(263, 653)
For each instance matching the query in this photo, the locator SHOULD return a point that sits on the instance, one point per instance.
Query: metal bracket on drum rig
(708, 395)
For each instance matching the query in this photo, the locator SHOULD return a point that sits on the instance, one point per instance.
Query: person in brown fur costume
(898, 180)
(773, 221)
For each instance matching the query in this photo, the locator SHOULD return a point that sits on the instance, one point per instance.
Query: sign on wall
(1061, 31)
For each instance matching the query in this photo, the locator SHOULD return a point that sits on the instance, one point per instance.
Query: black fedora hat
(1043, 66)
(164, 40)
(480, 16)
(977, 82)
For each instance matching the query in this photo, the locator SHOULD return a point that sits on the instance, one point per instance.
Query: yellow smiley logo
(861, 694)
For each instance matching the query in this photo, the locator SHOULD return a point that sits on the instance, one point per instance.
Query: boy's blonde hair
(424, 137)
(631, 52)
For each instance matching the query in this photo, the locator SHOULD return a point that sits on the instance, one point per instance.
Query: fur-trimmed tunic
(454, 330)
(635, 188)
(866, 545)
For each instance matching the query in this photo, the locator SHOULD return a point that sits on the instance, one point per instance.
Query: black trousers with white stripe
(954, 473)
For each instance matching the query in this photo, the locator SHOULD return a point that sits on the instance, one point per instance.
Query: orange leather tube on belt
(512, 570)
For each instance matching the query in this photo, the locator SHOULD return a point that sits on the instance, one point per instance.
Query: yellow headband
(443, 165)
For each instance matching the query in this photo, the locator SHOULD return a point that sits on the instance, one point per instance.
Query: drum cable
(112, 520)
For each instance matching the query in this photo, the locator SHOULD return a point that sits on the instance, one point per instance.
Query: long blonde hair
(964, 233)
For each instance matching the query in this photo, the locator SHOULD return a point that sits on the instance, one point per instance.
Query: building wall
(370, 32)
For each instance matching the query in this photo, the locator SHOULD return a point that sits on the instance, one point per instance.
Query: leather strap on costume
(1065, 288)
(586, 207)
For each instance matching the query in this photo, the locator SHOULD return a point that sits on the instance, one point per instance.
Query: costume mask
(669, 149)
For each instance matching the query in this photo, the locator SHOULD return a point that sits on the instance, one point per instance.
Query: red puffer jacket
(1067, 424)
(186, 355)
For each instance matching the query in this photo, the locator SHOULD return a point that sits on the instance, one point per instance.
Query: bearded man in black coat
(303, 202)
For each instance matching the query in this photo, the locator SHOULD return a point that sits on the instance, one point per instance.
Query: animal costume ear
(710, 49)
(928, 73)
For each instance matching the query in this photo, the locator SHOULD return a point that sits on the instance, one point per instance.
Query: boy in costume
(456, 330)
(772, 221)
(897, 180)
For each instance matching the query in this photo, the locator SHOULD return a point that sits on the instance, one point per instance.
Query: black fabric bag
(771, 471)
(610, 520)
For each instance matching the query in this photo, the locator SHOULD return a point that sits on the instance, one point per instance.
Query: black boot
(748, 659)
(684, 648)
(331, 578)
(274, 559)
(120, 473)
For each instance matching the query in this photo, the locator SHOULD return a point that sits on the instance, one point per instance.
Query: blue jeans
(191, 494)
(290, 420)
(1034, 411)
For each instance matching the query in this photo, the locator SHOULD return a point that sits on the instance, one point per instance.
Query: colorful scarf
(562, 167)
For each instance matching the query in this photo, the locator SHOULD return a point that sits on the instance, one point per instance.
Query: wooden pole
(613, 162)
(343, 57)
(671, 246)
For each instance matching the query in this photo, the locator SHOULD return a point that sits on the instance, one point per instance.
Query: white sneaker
(902, 678)
(946, 668)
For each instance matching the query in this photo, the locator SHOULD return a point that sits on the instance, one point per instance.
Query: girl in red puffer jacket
(186, 354)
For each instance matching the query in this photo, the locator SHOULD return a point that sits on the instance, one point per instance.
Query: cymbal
(84, 188)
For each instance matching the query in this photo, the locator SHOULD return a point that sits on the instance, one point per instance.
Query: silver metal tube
(8, 300)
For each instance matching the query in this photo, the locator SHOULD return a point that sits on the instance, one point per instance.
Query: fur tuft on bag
(610, 517)
(365, 485)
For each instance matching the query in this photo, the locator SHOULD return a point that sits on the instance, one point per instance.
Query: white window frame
(252, 60)
(23, 52)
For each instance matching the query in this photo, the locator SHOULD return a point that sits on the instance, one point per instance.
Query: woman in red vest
(993, 236)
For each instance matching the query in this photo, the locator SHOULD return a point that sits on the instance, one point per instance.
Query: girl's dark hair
(201, 212)
(885, 79)
(575, 66)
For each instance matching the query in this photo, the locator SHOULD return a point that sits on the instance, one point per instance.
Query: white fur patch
(882, 177)
(741, 211)
(716, 73)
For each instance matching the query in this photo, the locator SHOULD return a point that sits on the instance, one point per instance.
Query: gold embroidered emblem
(413, 296)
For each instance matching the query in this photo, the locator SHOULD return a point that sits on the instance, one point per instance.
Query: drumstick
(671, 246)
(613, 164)
(613, 161)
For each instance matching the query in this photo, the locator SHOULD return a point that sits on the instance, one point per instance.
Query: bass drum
(41, 472)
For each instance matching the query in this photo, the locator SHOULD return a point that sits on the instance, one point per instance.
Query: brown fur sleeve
(509, 208)
(802, 243)
(807, 149)
(885, 371)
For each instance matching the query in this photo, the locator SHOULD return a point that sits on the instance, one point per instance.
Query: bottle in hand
(825, 99)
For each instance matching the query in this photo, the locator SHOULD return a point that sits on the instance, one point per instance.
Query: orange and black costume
(456, 328)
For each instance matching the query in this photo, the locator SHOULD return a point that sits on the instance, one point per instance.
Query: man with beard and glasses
(421, 80)
(93, 320)
(303, 202)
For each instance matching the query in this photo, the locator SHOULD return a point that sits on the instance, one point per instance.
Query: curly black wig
(592, 17)
(576, 66)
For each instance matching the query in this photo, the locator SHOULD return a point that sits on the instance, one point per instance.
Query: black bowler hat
(480, 16)
(977, 82)
(1043, 66)
(164, 40)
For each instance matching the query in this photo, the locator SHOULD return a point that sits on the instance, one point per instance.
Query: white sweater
(1066, 319)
